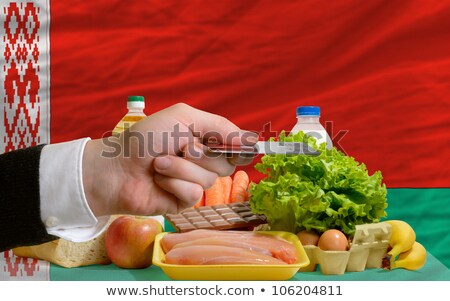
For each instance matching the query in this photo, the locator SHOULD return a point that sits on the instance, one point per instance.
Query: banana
(413, 259)
(402, 240)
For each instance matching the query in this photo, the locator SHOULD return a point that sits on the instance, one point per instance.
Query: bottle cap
(136, 102)
(308, 111)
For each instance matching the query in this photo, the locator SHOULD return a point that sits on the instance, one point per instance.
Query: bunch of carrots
(226, 190)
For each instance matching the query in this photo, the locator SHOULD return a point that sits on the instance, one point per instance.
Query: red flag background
(378, 69)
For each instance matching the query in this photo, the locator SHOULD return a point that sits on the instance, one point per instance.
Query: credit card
(267, 148)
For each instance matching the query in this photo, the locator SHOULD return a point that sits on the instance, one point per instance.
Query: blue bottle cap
(308, 111)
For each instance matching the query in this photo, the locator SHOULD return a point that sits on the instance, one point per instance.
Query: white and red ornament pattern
(21, 268)
(24, 100)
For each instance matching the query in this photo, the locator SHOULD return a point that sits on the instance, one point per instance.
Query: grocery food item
(308, 238)
(367, 248)
(222, 241)
(413, 259)
(227, 182)
(245, 240)
(402, 239)
(234, 272)
(308, 121)
(328, 191)
(228, 189)
(215, 194)
(333, 240)
(219, 217)
(211, 254)
(405, 251)
(170, 240)
(239, 190)
(129, 241)
(68, 254)
(135, 106)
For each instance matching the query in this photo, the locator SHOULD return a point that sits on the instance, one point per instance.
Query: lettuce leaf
(329, 191)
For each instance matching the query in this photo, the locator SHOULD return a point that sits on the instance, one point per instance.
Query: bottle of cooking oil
(135, 105)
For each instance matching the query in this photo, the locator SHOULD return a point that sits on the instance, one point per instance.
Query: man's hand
(160, 165)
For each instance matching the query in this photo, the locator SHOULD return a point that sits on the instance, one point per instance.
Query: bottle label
(126, 123)
(132, 118)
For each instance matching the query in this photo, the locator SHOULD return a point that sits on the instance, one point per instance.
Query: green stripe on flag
(427, 210)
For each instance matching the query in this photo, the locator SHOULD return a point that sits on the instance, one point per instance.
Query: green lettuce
(329, 191)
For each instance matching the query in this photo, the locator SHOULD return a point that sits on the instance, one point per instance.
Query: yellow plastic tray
(233, 271)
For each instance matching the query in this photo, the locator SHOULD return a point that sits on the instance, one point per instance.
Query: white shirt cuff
(64, 208)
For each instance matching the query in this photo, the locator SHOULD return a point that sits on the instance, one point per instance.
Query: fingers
(187, 193)
(213, 127)
(186, 178)
(241, 159)
(179, 168)
(215, 162)
(222, 164)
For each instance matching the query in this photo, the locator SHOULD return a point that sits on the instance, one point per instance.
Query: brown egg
(333, 240)
(308, 238)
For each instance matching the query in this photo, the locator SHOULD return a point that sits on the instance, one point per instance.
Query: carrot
(201, 202)
(227, 183)
(247, 194)
(240, 187)
(214, 195)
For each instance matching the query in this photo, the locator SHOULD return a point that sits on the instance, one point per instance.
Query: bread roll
(69, 254)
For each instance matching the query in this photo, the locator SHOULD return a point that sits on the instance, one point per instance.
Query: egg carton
(369, 245)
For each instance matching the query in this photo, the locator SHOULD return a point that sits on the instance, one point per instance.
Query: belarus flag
(379, 70)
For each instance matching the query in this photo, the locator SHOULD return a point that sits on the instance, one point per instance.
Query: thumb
(213, 128)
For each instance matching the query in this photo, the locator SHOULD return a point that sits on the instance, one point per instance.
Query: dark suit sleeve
(20, 218)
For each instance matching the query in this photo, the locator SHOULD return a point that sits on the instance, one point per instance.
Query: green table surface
(433, 270)
(426, 210)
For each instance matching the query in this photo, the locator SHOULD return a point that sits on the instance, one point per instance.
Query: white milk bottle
(308, 121)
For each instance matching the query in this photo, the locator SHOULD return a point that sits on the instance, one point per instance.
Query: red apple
(129, 241)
